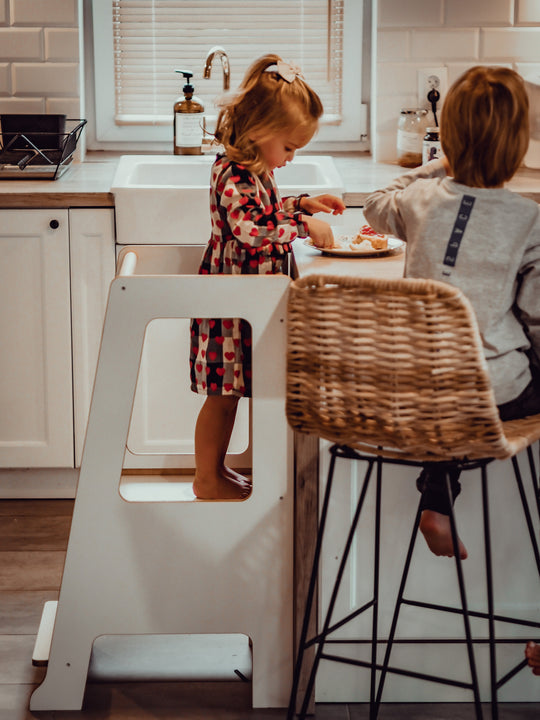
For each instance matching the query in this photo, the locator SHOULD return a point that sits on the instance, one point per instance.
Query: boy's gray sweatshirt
(486, 241)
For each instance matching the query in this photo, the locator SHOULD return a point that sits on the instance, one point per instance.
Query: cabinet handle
(54, 224)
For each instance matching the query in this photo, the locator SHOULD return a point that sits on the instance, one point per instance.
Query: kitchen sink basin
(163, 199)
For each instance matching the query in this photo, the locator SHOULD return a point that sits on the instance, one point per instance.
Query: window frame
(104, 134)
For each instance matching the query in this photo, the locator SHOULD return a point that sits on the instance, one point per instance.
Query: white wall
(455, 34)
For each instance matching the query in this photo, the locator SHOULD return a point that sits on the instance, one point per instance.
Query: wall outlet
(429, 79)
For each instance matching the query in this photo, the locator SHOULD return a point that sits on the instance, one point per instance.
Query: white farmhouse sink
(163, 199)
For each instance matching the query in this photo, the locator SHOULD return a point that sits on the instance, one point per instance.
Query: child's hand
(322, 203)
(320, 232)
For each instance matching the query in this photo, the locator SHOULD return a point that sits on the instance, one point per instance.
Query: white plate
(394, 244)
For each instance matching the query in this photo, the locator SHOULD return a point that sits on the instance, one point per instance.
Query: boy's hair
(265, 104)
(485, 126)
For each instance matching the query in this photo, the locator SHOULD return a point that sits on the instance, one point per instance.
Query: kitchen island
(516, 581)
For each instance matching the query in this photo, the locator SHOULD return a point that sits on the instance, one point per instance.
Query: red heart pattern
(251, 232)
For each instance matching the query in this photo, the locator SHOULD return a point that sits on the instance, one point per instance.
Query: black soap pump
(188, 120)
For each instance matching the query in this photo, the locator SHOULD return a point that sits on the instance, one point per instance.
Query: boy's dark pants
(432, 480)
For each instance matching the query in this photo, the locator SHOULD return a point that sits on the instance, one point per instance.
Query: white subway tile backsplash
(22, 105)
(44, 12)
(465, 13)
(457, 69)
(71, 107)
(393, 77)
(392, 45)
(443, 45)
(455, 34)
(412, 13)
(5, 82)
(526, 69)
(528, 12)
(62, 44)
(21, 44)
(510, 44)
(50, 78)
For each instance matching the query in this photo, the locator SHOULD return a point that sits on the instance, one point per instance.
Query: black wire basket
(37, 146)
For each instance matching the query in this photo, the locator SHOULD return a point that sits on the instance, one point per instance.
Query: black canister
(431, 145)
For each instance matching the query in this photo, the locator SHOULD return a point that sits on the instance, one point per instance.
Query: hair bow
(285, 70)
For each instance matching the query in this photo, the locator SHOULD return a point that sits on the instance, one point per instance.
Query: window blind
(153, 38)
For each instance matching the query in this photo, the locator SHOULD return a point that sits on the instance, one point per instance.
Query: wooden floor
(33, 541)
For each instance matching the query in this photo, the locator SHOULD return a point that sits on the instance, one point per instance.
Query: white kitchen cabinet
(92, 270)
(36, 421)
(48, 256)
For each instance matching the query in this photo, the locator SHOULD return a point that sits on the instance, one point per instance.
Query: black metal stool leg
(464, 610)
(490, 602)
(397, 609)
(464, 607)
(373, 707)
(534, 478)
(527, 512)
(311, 590)
(320, 639)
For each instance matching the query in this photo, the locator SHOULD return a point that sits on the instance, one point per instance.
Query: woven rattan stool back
(393, 367)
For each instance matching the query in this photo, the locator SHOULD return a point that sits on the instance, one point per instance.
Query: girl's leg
(229, 472)
(211, 432)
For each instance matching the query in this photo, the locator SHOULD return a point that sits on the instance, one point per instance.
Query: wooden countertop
(309, 261)
(88, 184)
(85, 184)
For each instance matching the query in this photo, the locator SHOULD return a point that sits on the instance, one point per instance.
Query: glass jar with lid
(411, 130)
(431, 147)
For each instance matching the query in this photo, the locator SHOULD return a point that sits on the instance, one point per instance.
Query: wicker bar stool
(394, 372)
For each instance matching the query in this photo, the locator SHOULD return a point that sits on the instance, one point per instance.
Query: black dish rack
(37, 146)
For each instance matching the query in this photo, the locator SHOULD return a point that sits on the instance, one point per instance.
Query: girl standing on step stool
(274, 113)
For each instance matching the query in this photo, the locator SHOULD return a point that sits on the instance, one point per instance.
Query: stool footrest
(472, 613)
(397, 671)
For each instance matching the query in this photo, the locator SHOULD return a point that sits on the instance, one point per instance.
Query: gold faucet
(220, 52)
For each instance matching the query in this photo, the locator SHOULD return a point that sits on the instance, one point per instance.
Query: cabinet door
(92, 270)
(36, 419)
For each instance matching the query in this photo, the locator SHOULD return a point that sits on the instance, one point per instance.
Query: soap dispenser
(188, 120)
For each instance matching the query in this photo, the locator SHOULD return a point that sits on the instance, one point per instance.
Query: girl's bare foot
(221, 487)
(234, 475)
(532, 653)
(435, 528)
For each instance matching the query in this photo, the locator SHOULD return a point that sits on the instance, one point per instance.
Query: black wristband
(299, 205)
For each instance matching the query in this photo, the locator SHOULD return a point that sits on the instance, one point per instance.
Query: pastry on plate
(366, 235)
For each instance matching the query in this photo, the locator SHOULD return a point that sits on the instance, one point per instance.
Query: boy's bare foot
(436, 530)
(532, 653)
(221, 487)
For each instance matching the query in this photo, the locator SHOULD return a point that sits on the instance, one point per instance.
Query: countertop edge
(34, 199)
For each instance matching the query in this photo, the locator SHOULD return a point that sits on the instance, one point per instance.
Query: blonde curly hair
(264, 105)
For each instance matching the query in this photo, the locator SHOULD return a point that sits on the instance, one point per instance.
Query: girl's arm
(254, 223)
(382, 208)
(321, 203)
(311, 205)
